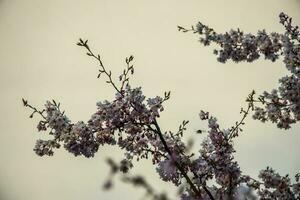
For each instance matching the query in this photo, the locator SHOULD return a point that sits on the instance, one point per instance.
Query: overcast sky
(40, 61)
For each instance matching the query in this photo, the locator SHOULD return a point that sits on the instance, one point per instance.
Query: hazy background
(40, 61)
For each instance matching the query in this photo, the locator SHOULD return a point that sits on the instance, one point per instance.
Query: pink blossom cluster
(282, 105)
(123, 121)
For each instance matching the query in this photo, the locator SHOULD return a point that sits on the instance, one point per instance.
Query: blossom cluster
(277, 187)
(129, 113)
(282, 105)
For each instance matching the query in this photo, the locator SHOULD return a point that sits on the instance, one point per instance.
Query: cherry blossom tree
(130, 121)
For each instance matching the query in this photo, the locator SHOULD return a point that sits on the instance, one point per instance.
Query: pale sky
(40, 61)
